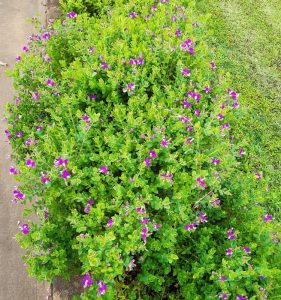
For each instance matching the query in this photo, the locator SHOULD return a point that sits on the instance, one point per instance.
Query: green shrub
(121, 149)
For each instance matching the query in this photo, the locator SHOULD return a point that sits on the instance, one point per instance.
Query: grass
(247, 41)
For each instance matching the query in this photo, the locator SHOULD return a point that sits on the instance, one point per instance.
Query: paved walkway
(14, 282)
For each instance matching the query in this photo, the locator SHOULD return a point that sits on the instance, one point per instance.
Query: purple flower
(202, 218)
(87, 281)
(129, 88)
(191, 51)
(216, 161)
(185, 72)
(164, 143)
(246, 250)
(50, 82)
(144, 232)
(189, 140)
(241, 152)
(93, 96)
(46, 35)
(168, 176)
(18, 58)
(178, 32)
(207, 89)
(223, 296)
(229, 252)
(231, 235)
(215, 203)
(140, 210)
(87, 208)
(268, 218)
(152, 154)
(65, 174)
(200, 183)
(25, 49)
(109, 223)
(213, 65)
(46, 213)
(184, 119)
(220, 117)
(19, 134)
(191, 227)
(154, 7)
(30, 163)
(24, 228)
(197, 112)
(72, 15)
(222, 278)
(258, 176)
(147, 162)
(102, 288)
(60, 162)
(45, 179)
(29, 141)
(35, 96)
(235, 104)
(13, 170)
(104, 65)
(8, 134)
(144, 220)
(241, 297)
(186, 45)
(104, 170)
(87, 119)
(233, 94)
(18, 195)
(185, 103)
(91, 201)
(225, 126)
(38, 127)
(133, 15)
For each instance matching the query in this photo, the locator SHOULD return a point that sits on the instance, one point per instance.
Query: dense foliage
(122, 139)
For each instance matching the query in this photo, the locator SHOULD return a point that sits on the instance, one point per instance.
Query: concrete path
(14, 282)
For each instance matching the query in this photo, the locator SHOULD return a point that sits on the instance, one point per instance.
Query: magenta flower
(93, 96)
(87, 208)
(184, 119)
(233, 94)
(25, 49)
(229, 252)
(152, 154)
(109, 223)
(65, 174)
(19, 134)
(246, 250)
(185, 72)
(185, 103)
(45, 179)
(191, 227)
(197, 112)
(18, 195)
(144, 232)
(202, 218)
(165, 143)
(46, 35)
(222, 278)
(38, 127)
(235, 104)
(241, 152)
(50, 82)
(223, 296)
(129, 88)
(30, 163)
(8, 134)
(29, 141)
(91, 201)
(133, 15)
(35, 96)
(154, 7)
(24, 228)
(60, 162)
(144, 220)
(18, 58)
(102, 288)
(104, 170)
(147, 162)
(213, 65)
(200, 183)
(178, 32)
(13, 170)
(231, 234)
(268, 218)
(225, 126)
(189, 140)
(207, 89)
(216, 161)
(87, 281)
(258, 176)
(220, 117)
(87, 119)
(104, 65)
(72, 15)
(241, 297)
(140, 210)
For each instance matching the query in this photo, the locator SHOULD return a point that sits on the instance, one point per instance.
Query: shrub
(121, 134)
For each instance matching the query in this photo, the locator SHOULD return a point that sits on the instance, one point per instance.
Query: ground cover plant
(248, 44)
(123, 143)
